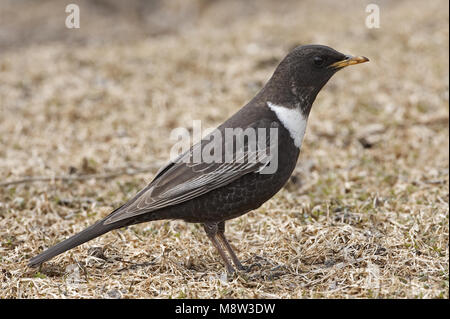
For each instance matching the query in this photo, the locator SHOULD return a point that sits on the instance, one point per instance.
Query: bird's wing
(185, 178)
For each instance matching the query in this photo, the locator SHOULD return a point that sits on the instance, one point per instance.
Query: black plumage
(211, 193)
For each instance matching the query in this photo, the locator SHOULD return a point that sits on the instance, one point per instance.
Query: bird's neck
(289, 95)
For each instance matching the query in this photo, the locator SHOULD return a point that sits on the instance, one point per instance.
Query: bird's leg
(221, 235)
(211, 230)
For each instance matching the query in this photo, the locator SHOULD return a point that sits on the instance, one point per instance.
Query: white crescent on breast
(293, 120)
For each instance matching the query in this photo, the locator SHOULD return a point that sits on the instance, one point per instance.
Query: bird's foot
(242, 268)
(230, 270)
(254, 265)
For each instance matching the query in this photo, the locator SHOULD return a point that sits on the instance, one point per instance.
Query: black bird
(242, 177)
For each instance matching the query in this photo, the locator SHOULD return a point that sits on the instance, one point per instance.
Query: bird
(197, 189)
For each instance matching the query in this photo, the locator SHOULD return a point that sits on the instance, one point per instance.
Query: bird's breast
(293, 120)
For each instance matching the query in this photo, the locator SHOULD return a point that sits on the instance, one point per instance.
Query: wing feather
(182, 180)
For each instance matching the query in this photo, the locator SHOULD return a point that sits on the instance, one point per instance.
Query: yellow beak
(349, 61)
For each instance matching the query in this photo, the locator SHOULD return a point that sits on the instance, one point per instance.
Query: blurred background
(372, 176)
(27, 22)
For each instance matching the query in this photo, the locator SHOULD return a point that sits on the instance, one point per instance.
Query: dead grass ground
(355, 221)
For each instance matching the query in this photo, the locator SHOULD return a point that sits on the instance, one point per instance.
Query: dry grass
(354, 221)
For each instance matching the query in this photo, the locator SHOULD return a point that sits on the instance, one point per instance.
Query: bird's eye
(318, 60)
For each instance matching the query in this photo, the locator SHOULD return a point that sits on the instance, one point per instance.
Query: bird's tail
(89, 233)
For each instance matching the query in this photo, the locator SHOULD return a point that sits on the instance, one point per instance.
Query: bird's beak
(349, 60)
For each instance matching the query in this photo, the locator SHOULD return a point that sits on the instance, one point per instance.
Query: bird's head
(307, 68)
(315, 64)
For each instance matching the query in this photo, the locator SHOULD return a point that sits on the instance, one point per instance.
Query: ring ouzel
(212, 192)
